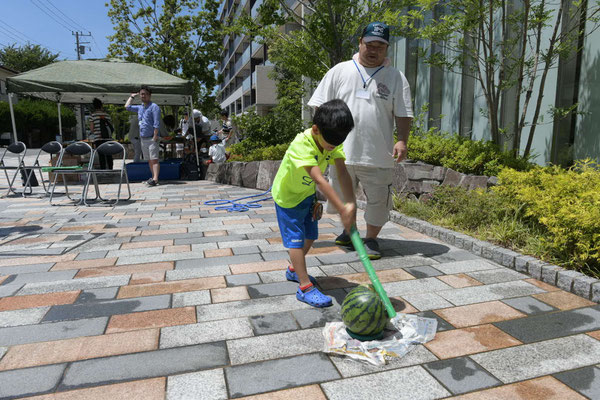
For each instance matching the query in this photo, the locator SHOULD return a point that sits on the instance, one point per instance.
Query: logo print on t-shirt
(382, 91)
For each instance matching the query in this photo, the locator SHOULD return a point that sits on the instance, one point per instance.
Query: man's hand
(400, 151)
(348, 216)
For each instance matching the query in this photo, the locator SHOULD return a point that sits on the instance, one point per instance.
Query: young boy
(216, 152)
(294, 191)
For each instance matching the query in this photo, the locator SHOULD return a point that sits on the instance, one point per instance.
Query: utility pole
(80, 48)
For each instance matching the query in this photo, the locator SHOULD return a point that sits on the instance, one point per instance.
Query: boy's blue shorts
(296, 224)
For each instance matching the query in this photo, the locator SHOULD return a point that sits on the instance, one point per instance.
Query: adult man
(378, 95)
(149, 122)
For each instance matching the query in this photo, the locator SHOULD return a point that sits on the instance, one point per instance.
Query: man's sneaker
(151, 182)
(343, 239)
(372, 248)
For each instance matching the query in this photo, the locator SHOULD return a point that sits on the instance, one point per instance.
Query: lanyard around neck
(366, 82)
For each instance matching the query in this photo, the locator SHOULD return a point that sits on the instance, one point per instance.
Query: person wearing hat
(378, 96)
(216, 152)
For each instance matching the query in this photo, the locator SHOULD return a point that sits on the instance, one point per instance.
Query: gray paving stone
(584, 380)
(317, 317)
(185, 239)
(144, 365)
(461, 267)
(242, 279)
(461, 375)
(26, 269)
(30, 381)
(128, 253)
(3, 351)
(338, 269)
(426, 301)
(52, 331)
(200, 272)
(338, 258)
(9, 290)
(203, 385)
(248, 308)
(550, 273)
(566, 278)
(276, 255)
(214, 261)
(542, 358)
(91, 255)
(245, 380)
(348, 368)
(496, 291)
(554, 325)
(424, 285)
(26, 316)
(93, 295)
(279, 275)
(269, 347)
(272, 289)
(455, 255)
(237, 251)
(241, 243)
(534, 268)
(529, 305)
(497, 275)
(425, 271)
(74, 284)
(205, 332)
(273, 323)
(582, 286)
(194, 298)
(150, 258)
(107, 308)
(22, 279)
(409, 383)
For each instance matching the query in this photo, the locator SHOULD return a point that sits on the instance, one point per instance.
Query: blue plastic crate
(169, 170)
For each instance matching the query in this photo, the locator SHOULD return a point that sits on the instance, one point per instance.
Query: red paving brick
(37, 300)
(151, 319)
(187, 285)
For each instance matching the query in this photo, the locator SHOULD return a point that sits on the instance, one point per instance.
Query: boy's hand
(348, 216)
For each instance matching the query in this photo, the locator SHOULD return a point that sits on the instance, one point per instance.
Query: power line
(28, 39)
(66, 16)
(98, 46)
(39, 6)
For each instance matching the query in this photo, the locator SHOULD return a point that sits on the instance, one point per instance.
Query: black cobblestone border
(567, 280)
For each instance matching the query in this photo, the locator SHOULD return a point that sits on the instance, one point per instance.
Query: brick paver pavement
(163, 297)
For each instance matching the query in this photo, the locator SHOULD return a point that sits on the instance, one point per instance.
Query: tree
(508, 48)
(26, 57)
(325, 34)
(174, 37)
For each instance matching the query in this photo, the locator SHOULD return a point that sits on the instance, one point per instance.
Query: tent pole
(12, 117)
(59, 124)
(191, 114)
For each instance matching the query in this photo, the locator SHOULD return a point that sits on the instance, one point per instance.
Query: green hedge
(239, 152)
(463, 155)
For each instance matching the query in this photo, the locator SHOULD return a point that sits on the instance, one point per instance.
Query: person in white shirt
(378, 96)
(216, 152)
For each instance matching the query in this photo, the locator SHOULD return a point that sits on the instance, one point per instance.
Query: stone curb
(567, 280)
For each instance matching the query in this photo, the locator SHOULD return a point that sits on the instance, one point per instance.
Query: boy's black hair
(146, 88)
(97, 103)
(169, 121)
(334, 121)
(225, 112)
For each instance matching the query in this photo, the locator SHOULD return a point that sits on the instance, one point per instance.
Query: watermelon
(363, 311)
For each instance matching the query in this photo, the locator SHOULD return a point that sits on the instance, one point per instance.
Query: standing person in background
(378, 96)
(226, 128)
(101, 130)
(149, 122)
(202, 126)
(134, 137)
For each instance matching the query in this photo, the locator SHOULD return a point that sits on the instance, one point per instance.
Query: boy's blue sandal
(293, 276)
(314, 297)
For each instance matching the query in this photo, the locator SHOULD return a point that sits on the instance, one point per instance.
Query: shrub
(463, 155)
(240, 153)
(566, 203)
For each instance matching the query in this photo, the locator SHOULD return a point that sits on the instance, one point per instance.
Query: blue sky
(49, 23)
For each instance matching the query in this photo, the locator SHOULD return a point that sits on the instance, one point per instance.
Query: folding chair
(76, 149)
(108, 149)
(52, 149)
(19, 149)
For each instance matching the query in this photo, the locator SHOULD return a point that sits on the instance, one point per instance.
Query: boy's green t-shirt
(292, 183)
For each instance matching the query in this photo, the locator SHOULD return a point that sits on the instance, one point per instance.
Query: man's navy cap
(214, 138)
(376, 31)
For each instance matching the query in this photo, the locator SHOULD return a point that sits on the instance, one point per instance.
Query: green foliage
(240, 153)
(463, 155)
(35, 115)
(566, 203)
(173, 36)
(26, 57)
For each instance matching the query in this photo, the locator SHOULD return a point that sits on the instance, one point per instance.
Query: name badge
(363, 94)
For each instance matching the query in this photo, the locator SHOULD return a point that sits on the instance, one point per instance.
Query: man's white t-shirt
(386, 95)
